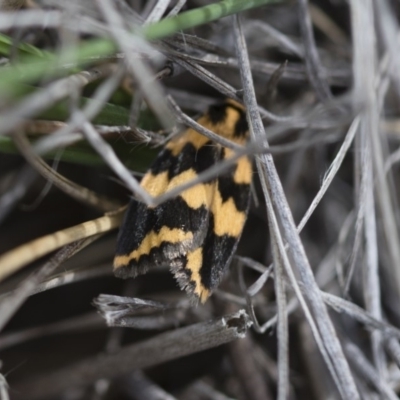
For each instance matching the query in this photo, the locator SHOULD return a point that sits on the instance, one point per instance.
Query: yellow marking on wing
(194, 264)
(228, 153)
(224, 128)
(155, 184)
(182, 178)
(195, 197)
(227, 219)
(152, 240)
(199, 195)
(244, 171)
(190, 136)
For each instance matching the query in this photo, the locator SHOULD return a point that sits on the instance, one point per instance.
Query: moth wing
(164, 234)
(203, 268)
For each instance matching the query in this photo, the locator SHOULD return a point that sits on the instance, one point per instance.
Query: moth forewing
(197, 232)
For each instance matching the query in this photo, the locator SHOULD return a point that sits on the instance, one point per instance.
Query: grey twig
(88, 321)
(76, 191)
(157, 11)
(138, 387)
(158, 349)
(363, 366)
(268, 172)
(108, 154)
(313, 63)
(42, 99)
(131, 312)
(3, 388)
(152, 91)
(243, 359)
(365, 54)
(15, 299)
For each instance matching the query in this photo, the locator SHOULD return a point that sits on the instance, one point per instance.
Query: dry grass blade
(86, 322)
(161, 348)
(39, 101)
(372, 164)
(3, 388)
(111, 158)
(279, 257)
(367, 371)
(150, 88)
(242, 355)
(16, 259)
(131, 312)
(313, 64)
(89, 89)
(332, 171)
(359, 314)
(14, 300)
(29, 19)
(393, 348)
(71, 188)
(267, 170)
(138, 386)
(365, 97)
(14, 193)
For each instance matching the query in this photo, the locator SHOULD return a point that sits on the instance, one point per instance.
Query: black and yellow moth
(197, 232)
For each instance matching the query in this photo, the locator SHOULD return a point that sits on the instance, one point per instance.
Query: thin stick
(71, 188)
(137, 386)
(17, 258)
(279, 253)
(362, 13)
(157, 11)
(368, 372)
(159, 349)
(150, 88)
(333, 169)
(109, 156)
(84, 322)
(296, 249)
(15, 299)
(313, 63)
(42, 99)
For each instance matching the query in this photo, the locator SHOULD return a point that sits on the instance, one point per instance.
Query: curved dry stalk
(331, 347)
(16, 298)
(150, 88)
(313, 63)
(367, 371)
(74, 190)
(365, 57)
(17, 258)
(161, 348)
(43, 99)
(84, 322)
(137, 385)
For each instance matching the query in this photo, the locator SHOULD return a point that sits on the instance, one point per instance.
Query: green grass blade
(29, 68)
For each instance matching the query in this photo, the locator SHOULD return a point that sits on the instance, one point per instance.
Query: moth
(197, 232)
